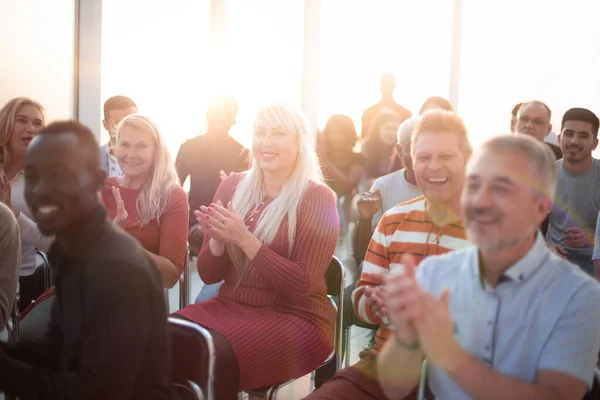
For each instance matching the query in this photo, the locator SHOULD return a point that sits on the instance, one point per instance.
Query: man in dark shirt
(108, 336)
(387, 85)
(204, 157)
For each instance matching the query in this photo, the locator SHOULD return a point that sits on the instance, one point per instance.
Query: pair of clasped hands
(421, 321)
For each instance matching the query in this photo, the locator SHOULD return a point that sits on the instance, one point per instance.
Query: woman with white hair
(273, 231)
(147, 201)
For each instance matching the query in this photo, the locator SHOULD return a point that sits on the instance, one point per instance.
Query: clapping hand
(222, 224)
(121, 211)
(421, 318)
(368, 204)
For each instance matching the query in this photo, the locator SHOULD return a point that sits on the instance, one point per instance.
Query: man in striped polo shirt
(418, 228)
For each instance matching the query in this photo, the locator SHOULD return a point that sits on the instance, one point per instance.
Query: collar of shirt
(85, 234)
(522, 269)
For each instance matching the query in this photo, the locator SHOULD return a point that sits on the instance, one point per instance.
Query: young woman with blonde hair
(273, 231)
(20, 120)
(147, 201)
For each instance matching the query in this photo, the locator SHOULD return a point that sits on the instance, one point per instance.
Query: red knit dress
(278, 319)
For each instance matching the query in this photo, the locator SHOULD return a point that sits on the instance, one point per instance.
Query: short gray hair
(406, 129)
(541, 159)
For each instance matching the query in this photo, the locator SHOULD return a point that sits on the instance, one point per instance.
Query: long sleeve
(316, 238)
(376, 263)
(30, 233)
(213, 269)
(174, 229)
(10, 261)
(118, 305)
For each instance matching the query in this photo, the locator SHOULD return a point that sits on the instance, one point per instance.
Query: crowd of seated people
(480, 264)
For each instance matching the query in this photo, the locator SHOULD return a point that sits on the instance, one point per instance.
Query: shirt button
(487, 348)
(490, 323)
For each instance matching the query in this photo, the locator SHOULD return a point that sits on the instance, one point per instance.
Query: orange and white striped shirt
(405, 229)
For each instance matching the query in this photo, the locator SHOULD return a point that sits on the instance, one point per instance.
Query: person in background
(206, 158)
(513, 117)
(147, 201)
(10, 261)
(379, 148)
(20, 120)
(273, 231)
(387, 84)
(115, 109)
(343, 168)
(573, 217)
(505, 318)
(427, 225)
(386, 192)
(533, 119)
(107, 337)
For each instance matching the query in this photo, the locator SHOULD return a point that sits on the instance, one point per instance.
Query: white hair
(406, 129)
(249, 194)
(154, 196)
(540, 157)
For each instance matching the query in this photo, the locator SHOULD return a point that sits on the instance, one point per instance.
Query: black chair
(335, 276)
(188, 391)
(190, 343)
(44, 265)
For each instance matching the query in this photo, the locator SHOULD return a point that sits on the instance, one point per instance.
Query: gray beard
(505, 242)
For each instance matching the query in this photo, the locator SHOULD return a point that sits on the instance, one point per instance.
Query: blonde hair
(248, 194)
(8, 116)
(441, 121)
(154, 196)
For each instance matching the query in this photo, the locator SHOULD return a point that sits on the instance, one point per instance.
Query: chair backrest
(191, 343)
(42, 262)
(335, 276)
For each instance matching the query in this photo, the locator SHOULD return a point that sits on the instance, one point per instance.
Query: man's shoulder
(388, 179)
(569, 276)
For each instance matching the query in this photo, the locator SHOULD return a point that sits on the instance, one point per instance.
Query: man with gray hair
(533, 118)
(386, 192)
(505, 318)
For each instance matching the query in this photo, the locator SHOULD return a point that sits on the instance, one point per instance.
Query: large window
(264, 57)
(362, 39)
(37, 54)
(157, 53)
(515, 50)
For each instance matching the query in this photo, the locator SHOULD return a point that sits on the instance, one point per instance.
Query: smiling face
(135, 152)
(439, 165)
(499, 204)
(533, 120)
(275, 150)
(60, 186)
(28, 122)
(577, 141)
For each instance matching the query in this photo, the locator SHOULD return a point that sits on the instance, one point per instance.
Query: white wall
(37, 54)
